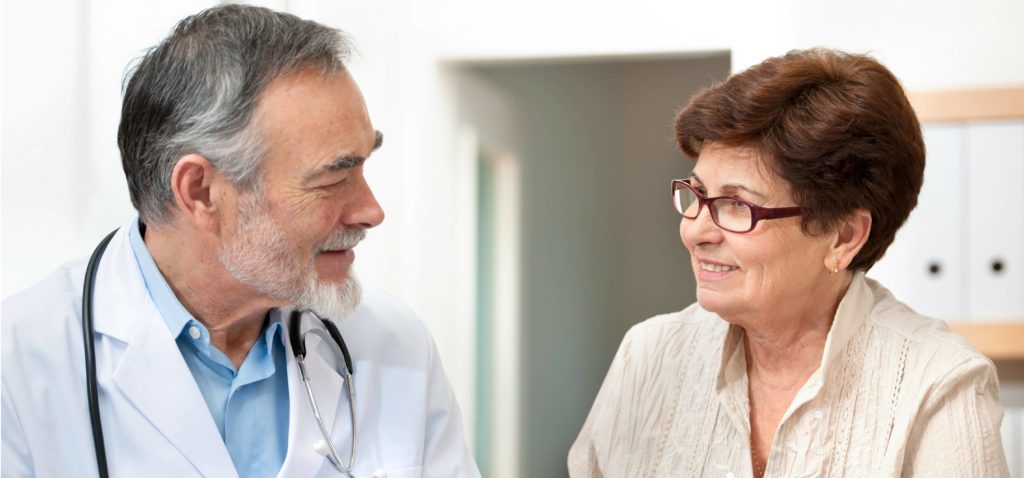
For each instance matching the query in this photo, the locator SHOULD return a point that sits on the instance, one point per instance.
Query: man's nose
(364, 210)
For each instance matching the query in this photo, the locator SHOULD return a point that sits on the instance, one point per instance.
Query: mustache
(346, 238)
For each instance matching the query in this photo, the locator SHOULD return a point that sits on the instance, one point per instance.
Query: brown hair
(836, 126)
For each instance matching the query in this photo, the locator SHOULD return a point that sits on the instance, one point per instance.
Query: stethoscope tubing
(88, 288)
(298, 348)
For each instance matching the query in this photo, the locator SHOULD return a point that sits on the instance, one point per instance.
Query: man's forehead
(310, 88)
(310, 102)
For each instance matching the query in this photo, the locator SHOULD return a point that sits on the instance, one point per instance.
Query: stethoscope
(324, 447)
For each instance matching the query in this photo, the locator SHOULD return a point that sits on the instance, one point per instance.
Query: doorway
(585, 152)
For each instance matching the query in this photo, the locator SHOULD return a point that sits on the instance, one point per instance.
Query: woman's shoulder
(926, 343)
(692, 317)
(678, 330)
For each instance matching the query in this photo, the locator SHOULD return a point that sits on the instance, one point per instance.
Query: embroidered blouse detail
(896, 394)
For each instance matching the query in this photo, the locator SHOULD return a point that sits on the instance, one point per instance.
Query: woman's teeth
(716, 267)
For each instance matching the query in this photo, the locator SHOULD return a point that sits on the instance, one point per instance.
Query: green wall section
(484, 313)
(600, 242)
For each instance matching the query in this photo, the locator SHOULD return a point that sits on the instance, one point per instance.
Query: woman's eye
(737, 204)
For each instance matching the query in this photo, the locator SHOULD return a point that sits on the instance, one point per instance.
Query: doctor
(243, 139)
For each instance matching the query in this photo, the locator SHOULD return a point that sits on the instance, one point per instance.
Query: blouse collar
(731, 381)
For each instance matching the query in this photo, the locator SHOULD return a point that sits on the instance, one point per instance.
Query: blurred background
(526, 165)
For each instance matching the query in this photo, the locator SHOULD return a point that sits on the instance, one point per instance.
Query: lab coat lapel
(326, 383)
(155, 378)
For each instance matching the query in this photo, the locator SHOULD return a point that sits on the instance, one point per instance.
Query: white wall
(62, 184)
(929, 44)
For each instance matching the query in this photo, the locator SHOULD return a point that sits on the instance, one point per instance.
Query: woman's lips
(713, 267)
(710, 270)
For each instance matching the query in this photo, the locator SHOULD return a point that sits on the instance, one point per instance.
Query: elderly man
(243, 140)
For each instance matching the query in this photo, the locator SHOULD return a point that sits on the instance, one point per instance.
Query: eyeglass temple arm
(776, 212)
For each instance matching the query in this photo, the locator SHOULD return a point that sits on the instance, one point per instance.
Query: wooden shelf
(1003, 341)
(997, 340)
(963, 105)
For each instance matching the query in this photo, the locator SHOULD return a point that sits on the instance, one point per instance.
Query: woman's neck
(784, 363)
(783, 351)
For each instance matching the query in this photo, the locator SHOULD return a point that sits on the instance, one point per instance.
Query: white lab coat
(155, 422)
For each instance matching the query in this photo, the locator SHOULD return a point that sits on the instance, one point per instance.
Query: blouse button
(194, 332)
(380, 474)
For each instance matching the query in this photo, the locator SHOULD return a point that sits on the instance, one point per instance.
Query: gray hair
(196, 93)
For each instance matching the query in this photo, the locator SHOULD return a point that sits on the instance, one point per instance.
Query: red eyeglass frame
(757, 213)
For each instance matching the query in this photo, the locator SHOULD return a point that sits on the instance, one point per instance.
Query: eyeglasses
(729, 213)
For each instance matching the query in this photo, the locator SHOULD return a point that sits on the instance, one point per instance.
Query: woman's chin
(715, 301)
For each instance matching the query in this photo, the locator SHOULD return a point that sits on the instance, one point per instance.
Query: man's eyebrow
(344, 161)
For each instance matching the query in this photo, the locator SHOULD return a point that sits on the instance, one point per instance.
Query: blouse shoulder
(925, 334)
(692, 316)
(690, 330)
(929, 348)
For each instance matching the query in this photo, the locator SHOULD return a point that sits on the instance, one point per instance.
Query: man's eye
(335, 184)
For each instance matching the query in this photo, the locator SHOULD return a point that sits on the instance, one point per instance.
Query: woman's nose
(700, 229)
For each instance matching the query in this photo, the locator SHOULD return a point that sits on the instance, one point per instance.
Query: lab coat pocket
(406, 472)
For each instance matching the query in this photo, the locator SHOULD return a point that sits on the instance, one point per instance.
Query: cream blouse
(897, 394)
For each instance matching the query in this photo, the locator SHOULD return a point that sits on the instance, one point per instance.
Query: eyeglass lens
(728, 213)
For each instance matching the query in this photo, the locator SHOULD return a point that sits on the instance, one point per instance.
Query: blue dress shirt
(248, 404)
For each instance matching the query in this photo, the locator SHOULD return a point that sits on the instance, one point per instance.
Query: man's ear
(850, 236)
(193, 185)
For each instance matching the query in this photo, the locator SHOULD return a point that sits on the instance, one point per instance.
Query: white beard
(258, 257)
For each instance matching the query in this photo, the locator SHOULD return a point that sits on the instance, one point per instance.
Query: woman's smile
(708, 271)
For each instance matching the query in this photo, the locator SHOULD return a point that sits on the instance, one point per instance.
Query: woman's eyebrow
(732, 187)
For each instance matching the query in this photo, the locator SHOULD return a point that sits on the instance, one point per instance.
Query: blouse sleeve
(584, 456)
(957, 432)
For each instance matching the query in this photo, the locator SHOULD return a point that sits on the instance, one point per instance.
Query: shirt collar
(851, 314)
(170, 308)
(179, 319)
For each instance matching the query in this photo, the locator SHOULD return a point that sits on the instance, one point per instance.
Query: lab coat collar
(120, 294)
(154, 377)
(151, 372)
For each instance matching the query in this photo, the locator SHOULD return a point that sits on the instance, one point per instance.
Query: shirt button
(819, 414)
(730, 475)
(194, 332)
(380, 474)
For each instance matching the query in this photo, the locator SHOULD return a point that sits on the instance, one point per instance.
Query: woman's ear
(192, 183)
(850, 236)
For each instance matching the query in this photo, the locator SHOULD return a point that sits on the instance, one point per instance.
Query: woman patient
(792, 363)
